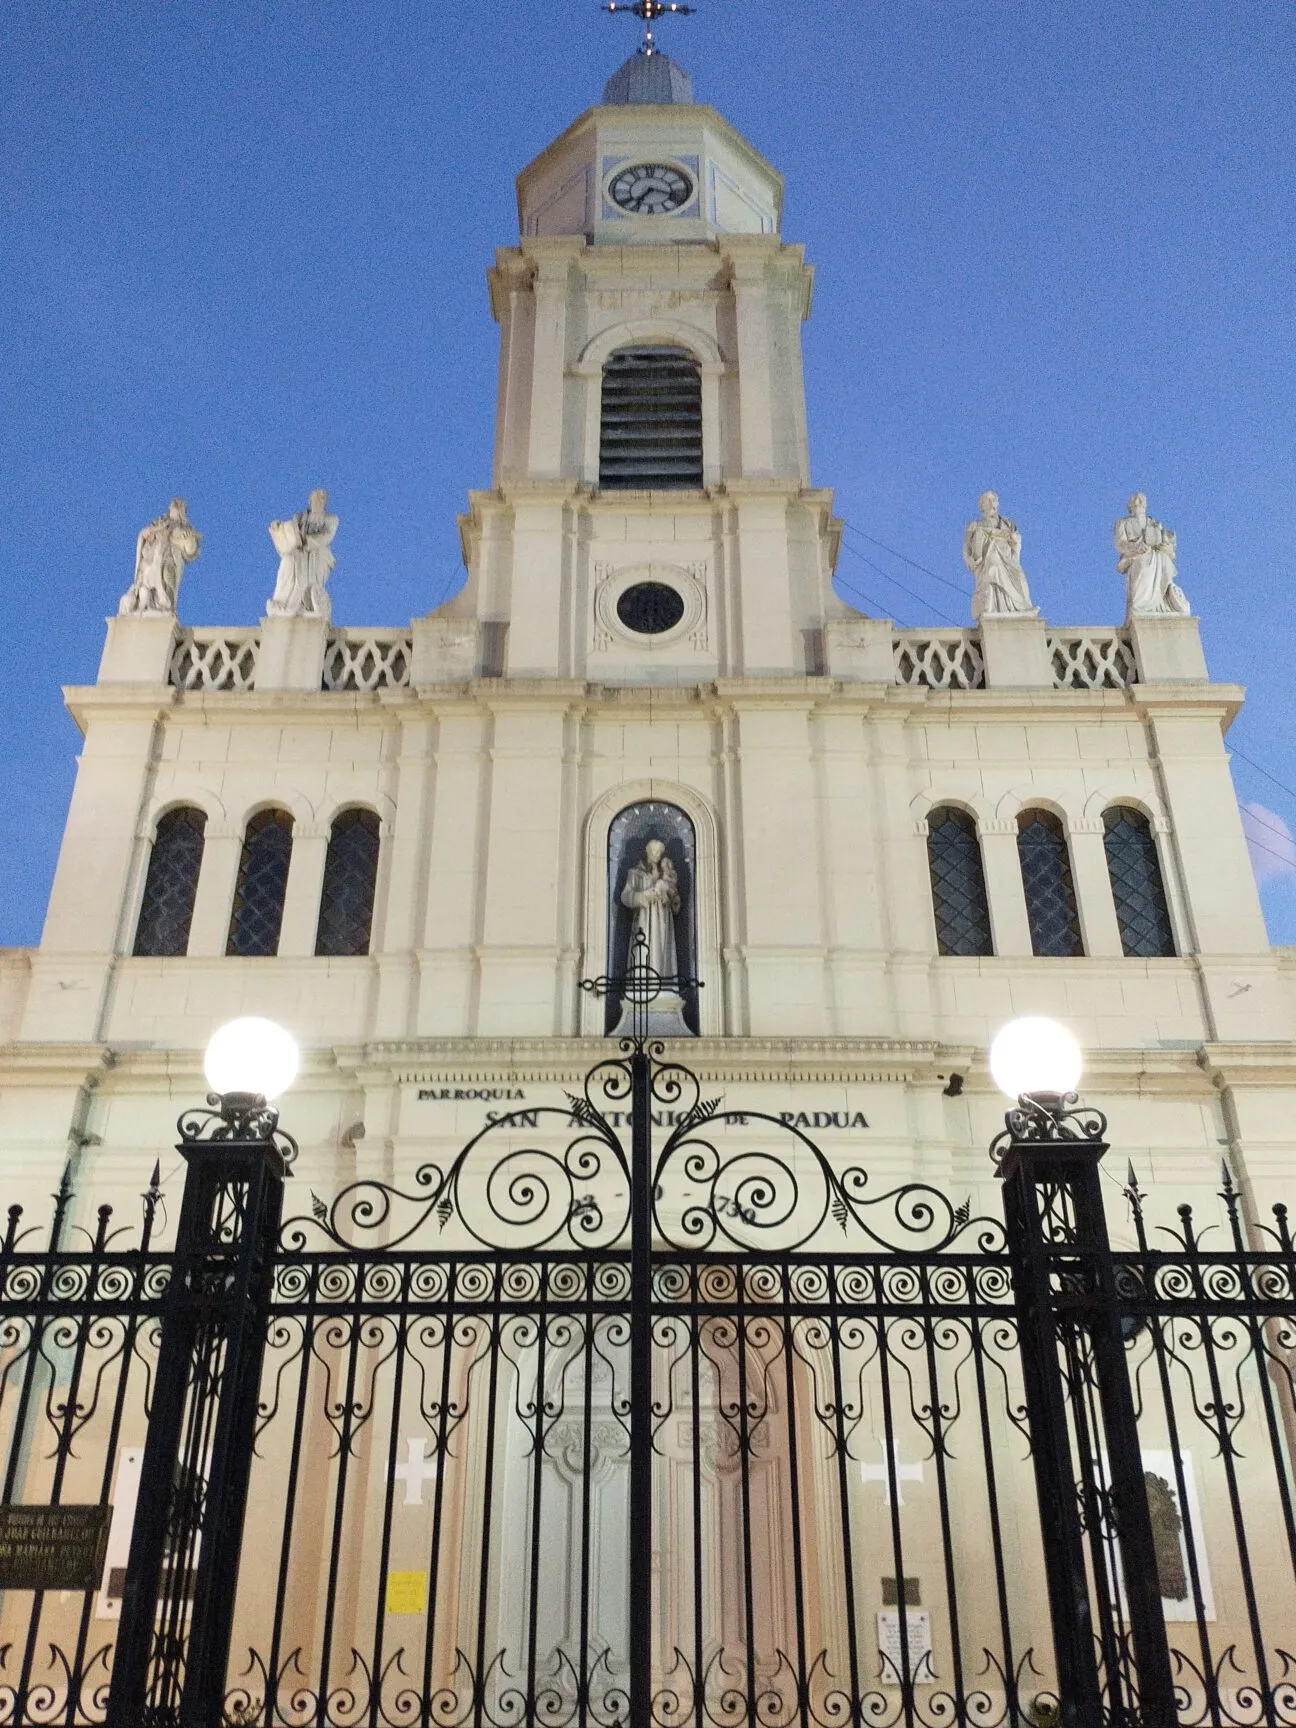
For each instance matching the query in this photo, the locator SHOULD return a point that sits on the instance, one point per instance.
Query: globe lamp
(251, 1057)
(1035, 1058)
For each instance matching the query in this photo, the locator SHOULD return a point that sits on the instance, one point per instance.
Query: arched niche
(652, 844)
(597, 893)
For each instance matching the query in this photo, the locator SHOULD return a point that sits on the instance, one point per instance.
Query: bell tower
(651, 518)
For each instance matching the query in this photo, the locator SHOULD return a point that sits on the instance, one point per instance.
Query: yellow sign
(407, 1592)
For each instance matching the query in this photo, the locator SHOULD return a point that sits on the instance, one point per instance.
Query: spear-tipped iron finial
(649, 11)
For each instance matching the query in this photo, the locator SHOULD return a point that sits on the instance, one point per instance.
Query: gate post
(173, 1641)
(1089, 1484)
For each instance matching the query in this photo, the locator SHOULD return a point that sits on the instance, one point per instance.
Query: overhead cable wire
(1282, 857)
(879, 609)
(911, 562)
(1251, 762)
(1283, 832)
(887, 577)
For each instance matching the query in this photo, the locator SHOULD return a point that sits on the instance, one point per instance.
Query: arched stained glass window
(166, 911)
(262, 883)
(957, 884)
(350, 875)
(650, 432)
(1137, 888)
(1050, 891)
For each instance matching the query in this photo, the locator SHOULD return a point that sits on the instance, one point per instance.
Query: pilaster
(524, 886)
(783, 870)
(404, 903)
(1209, 846)
(539, 600)
(761, 587)
(852, 897)
(748, 258)
(456, 837)
(552, 259)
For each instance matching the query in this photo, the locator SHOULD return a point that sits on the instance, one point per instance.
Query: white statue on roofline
(162, 550)
(303, 543)
(1147, 559)
(992, 552)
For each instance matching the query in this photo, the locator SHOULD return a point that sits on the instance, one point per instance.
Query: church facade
(647, 724)
(649, 625)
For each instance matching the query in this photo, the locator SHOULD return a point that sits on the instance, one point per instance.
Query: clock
(650, 189)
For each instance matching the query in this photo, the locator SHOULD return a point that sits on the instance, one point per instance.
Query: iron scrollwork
(519, 1184)
(236, 1117)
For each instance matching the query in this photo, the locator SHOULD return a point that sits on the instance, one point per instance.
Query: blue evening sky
(242, 251)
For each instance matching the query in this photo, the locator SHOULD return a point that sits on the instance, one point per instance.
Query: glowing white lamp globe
(1033, 1055)
(251, 1055)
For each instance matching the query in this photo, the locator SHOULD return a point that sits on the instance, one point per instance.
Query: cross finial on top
(649, 11)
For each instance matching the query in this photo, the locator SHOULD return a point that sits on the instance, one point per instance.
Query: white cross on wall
(415, 1471)
(882, 1473)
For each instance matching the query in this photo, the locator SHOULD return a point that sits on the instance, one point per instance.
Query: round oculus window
(650, 189)
(649, 608)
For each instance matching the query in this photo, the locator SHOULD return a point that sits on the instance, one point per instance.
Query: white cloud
(1270, 843)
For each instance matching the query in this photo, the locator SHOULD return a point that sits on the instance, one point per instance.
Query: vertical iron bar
(641, 1435)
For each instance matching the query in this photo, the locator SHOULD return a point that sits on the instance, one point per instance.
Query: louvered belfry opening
(651, 429)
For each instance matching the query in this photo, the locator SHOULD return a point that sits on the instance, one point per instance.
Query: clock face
(650, 189)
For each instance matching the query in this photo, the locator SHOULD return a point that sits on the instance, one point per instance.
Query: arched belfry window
(1050, 890)
(650, 432)
(652, 893)
(166, 911)
(350, 875)
(957, 883)
(1137, 888)
(261, 885)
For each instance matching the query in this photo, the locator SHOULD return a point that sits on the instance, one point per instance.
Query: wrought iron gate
(706, 1432)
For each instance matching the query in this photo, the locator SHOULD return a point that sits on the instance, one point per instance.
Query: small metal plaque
(53, 1547)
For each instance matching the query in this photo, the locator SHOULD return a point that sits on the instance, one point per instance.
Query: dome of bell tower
(653, 78)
